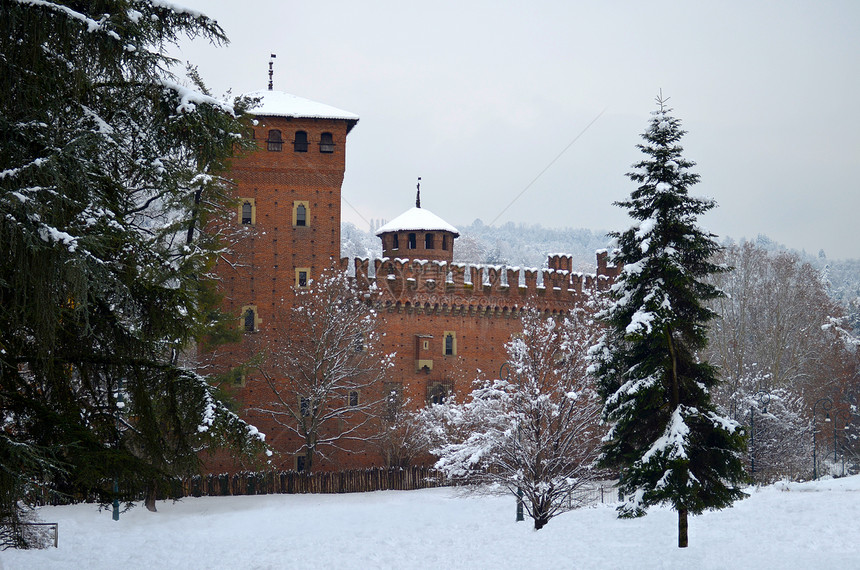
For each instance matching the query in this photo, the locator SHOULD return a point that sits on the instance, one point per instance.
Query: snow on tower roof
(417, 219)
(280, 104)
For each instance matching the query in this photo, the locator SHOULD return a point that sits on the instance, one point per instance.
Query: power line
(529, 185)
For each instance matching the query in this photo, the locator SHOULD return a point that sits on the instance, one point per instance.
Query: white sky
(478, 97)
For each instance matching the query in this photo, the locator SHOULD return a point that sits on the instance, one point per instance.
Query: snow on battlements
(438, 286)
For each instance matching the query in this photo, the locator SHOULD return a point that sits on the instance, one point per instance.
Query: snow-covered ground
(808, 525)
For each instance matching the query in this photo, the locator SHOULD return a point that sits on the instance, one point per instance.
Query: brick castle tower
(447, 322)
(286, 225)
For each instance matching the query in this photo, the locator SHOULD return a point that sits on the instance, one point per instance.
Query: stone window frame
(243, 319)
(452, 335)
(307, 206)
(353, 398)
(307, 277)
(253, 204)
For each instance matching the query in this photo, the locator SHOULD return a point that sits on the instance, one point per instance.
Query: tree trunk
(682, 528)
(149, 500)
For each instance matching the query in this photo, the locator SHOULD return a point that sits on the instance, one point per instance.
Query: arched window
(428, 241)
(326, 142)
(411, 242)
(301, 142)
(250, 323)
(247, 211)
(301, 213)
(353, 399)
(275, 142)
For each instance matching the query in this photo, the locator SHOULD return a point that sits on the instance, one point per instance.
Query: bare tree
(534, 432)
(773, 321)
(780, 346)
(325, 376)
(401, 438)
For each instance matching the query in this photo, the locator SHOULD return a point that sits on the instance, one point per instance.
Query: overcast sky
(479, 97)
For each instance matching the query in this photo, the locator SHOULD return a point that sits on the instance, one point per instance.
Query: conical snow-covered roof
(417, 219)
(280, 104)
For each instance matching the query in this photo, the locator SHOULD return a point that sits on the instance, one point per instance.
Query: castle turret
(418, 233)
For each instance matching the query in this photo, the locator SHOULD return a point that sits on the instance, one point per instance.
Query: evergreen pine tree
(107, 187)
(666, 438)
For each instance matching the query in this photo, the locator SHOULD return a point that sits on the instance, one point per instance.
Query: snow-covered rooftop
(280, 104)
(417, 219)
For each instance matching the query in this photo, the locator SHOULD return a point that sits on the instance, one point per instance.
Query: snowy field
(808, 525)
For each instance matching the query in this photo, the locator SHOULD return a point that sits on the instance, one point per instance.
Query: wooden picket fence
(293, 482)
(265, 483)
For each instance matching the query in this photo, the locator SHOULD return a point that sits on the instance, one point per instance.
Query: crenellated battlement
(438, 287)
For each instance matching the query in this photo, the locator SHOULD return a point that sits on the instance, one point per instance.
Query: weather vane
(418, 195)
(271, 57)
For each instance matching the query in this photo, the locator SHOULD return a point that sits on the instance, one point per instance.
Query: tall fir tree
(108, 178)
(666, 438)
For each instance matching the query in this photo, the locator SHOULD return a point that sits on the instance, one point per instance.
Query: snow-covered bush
(535, 430)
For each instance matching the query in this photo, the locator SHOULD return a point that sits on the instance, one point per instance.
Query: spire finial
(271, 57)
(418, 195)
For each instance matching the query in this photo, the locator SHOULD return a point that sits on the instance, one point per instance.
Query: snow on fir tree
(666, 437)
(108, 194)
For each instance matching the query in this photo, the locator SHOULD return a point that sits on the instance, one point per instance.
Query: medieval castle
(445, 320)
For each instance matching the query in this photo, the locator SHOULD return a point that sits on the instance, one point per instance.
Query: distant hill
(510, 244)
(525, 245)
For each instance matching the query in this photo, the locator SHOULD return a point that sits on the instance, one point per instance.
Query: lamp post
(505, 374)
(846, 419)
(763, 399)
(826, 404)
(120, 404)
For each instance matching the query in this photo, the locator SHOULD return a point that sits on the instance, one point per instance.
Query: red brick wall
(420, 300)
(261, 270)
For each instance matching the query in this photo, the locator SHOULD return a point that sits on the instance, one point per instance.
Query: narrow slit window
(450, 348)
(444, 242)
